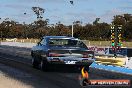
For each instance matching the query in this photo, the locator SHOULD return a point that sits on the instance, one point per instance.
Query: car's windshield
(66, 42)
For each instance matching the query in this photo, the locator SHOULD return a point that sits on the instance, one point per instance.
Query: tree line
(94, 31)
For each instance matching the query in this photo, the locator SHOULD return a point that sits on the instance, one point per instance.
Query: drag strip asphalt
(58, 79)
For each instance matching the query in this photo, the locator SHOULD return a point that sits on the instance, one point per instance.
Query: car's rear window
(66, 42)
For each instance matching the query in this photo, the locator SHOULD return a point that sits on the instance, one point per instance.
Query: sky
(62, 10)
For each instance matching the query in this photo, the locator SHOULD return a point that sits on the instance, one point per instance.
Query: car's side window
(81, 44)
(43, 41)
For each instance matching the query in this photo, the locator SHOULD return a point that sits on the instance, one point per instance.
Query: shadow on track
(65, 69)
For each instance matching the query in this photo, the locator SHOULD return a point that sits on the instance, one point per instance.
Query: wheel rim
(41, 64)
(32, 60)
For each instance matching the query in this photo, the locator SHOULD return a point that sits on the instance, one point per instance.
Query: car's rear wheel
(86, 68)
(44, 65)
(35, 63)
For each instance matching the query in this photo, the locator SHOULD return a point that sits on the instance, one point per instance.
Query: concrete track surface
(19, 59)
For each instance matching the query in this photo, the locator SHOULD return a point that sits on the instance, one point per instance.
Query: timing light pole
(116, 38)
(72, 22)
(72, 29)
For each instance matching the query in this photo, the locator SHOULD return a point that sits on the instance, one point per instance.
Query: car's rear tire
(35, 63)
(44, 65)
(86, 68)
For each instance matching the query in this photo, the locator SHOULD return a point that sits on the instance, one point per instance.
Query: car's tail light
(85, 56)
(55, 59)
(88, 55)
(54, 55)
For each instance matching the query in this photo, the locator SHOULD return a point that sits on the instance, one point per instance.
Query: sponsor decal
(98, 50)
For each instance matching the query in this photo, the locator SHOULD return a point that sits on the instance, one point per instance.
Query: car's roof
(59, 37)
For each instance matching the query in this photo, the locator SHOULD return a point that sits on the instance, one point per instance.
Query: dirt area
(17, 78)
(8, 81)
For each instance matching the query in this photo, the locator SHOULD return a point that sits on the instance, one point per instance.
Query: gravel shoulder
(9, 78)
(15, 78)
